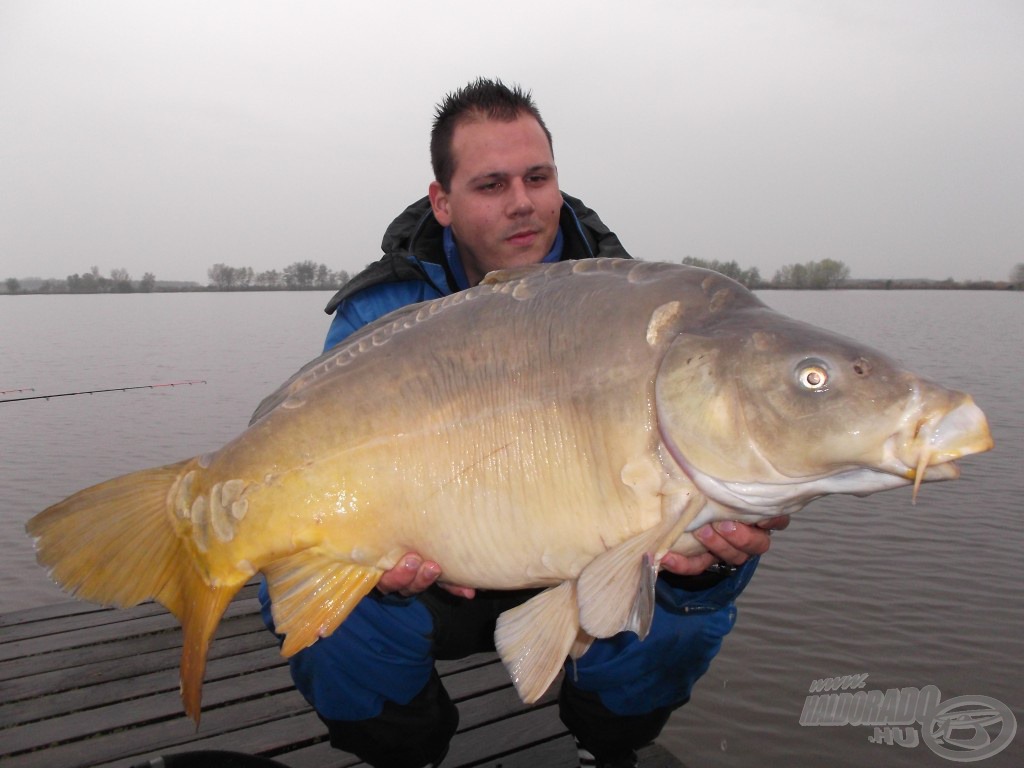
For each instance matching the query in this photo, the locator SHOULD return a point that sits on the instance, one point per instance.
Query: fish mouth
(928, 448)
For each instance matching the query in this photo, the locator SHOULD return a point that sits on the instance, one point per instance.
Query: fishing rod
(15, 391)
(93, 391)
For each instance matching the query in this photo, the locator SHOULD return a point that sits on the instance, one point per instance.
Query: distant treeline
(827, 273)
(831, 274)
(299, 276)
(302, 275)
(309, 275)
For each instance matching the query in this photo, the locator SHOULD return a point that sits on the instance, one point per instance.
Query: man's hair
(482, 99)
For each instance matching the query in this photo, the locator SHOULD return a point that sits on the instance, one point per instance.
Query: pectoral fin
(534, 639)
(312, 594)
(616, 590)
(642, 613)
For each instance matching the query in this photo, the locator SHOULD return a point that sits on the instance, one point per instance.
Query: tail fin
(115, 544)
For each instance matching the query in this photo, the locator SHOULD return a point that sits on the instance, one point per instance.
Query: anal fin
(534, 639)
(312, 594)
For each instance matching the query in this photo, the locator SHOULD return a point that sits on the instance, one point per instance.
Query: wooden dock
(88, 686)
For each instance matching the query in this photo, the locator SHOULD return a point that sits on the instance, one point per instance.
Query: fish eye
(813, 376)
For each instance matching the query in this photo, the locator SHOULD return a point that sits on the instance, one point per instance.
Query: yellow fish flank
(598, 412)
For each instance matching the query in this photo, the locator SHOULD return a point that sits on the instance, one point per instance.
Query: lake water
(912, 596)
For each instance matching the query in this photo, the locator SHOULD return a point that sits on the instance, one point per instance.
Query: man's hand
(730, 542)
(413, 575)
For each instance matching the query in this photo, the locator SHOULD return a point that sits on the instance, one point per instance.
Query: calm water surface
(910, 595)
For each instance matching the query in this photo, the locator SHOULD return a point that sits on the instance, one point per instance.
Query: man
(494, 203)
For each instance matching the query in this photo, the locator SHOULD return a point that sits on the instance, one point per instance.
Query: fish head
(765, 413)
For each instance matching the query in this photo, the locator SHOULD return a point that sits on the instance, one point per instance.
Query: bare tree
(1017, 275)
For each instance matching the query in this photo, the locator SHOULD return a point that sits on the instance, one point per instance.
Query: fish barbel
(559, 426)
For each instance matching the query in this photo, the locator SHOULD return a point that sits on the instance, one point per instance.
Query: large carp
(562, 426)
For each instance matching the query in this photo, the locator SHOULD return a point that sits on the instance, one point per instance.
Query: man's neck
(467, 273)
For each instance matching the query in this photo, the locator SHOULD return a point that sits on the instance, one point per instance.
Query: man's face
(503, 205)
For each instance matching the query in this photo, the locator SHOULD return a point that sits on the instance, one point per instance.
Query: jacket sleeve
(372, 303)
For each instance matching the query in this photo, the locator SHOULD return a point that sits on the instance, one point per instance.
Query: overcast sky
(165, 137)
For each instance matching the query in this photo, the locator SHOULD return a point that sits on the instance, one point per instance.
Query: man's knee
(409, 735)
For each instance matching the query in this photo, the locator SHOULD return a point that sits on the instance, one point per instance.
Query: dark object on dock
(210, 758)
(87, 686)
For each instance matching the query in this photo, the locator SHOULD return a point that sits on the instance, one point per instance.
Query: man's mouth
(524, 238)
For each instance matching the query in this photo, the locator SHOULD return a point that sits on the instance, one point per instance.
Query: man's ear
(439, 203)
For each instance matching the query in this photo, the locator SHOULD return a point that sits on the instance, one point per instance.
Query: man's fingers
(401, 576)
(735, 543)
(413, 575)
(779, 523)
(721, 547)
(683, 565)
(426, 575)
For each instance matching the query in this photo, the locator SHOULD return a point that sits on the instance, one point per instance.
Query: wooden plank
(164, 677)
(160, 705)
(17, 624)
(237, 633)
(479, 724)
(76, 638)
(163, 707)
(558, 752)
(461, 684)
(296, 735)
(109, 625)
(72, 616)
(107, 643)
(109, 742)
(69, 680)
(105, 693)
(502, 737)
(77, 622)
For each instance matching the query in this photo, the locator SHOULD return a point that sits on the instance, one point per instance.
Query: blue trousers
(373, 680)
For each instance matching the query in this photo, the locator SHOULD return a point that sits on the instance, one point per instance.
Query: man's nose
(520, 202)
